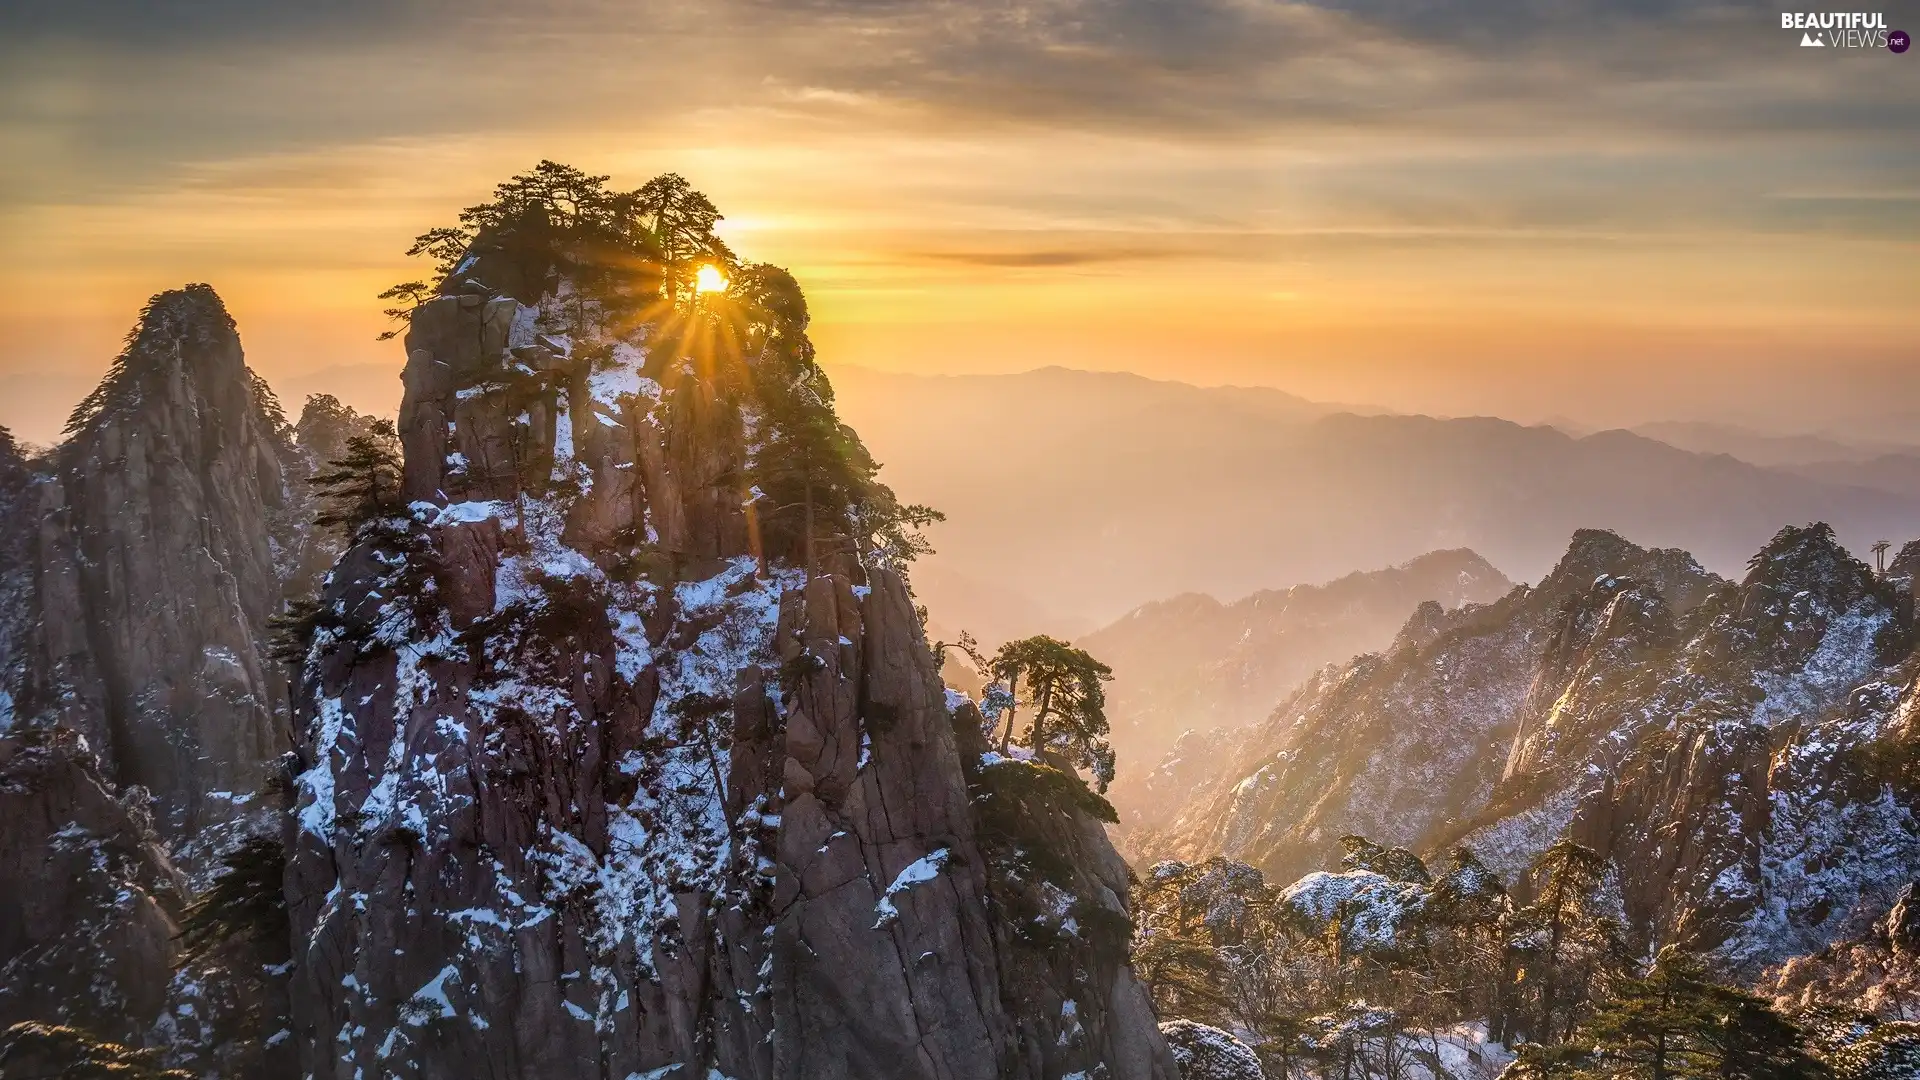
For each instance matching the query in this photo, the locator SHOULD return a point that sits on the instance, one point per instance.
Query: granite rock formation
(167, 521)
(600, 780)
(88, 897)
(141, 719)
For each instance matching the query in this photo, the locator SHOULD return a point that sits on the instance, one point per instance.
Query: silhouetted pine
(245, 903)
(362, 486)
(1676, 1024)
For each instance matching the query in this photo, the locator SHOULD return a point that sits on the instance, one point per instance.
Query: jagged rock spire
(160, 527)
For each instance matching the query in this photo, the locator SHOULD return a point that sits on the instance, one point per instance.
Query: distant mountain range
(1088, 494)
(1762, 448)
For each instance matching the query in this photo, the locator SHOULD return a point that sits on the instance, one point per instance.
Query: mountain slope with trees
(1728, 758)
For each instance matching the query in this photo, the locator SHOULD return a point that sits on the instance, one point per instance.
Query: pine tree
(1066, 687)
(1676, 1024)
(1568, 872)
(809, 471)
(698, 716)
(245, 903)
(681, 221)
(362, 486)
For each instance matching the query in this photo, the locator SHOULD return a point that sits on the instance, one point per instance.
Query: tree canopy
(609, 259)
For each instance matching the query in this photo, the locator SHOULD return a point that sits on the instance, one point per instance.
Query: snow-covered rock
(1207, 1053)
(599, 780)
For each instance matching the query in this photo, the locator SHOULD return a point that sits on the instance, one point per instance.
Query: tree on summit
(656, 236)
(681, 221)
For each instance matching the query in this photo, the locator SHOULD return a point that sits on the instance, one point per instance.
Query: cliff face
(1715, 740)
(88, 898)
(17, 608)
(599, 782)
(139, 563)
(163, 530)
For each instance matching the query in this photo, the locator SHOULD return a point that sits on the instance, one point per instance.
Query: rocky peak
(603, 778)
(1803, 585)
(1426, 623)
(320, 437)
(184, 336)
(1596, 553)
(139, 563)
(1809, 558)
(324, 427)
(161, 534)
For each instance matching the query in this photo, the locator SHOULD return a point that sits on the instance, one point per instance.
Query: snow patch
(920, 871)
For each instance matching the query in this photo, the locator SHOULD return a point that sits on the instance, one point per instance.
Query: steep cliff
(609, 771)
(1722, 744)
(17, 607)
(166, 526)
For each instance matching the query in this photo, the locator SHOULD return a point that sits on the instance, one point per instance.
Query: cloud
(1623, 160)
(1045, 258)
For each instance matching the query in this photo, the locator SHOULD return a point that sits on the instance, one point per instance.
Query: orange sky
(1681, 215)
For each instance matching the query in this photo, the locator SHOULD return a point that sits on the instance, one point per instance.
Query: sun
(709, 279)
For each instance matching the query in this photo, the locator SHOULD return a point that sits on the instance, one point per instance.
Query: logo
(1844, 30)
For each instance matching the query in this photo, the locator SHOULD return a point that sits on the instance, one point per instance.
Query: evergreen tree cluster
(1360, 974)
(361, 488)
(245, 906)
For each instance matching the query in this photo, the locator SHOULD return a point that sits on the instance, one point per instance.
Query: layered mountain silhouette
(1091, 494)
(1195, 670)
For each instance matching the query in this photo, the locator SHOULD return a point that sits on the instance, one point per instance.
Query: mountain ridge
(1192, 668)
(1090, 519)
(1706, 736)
